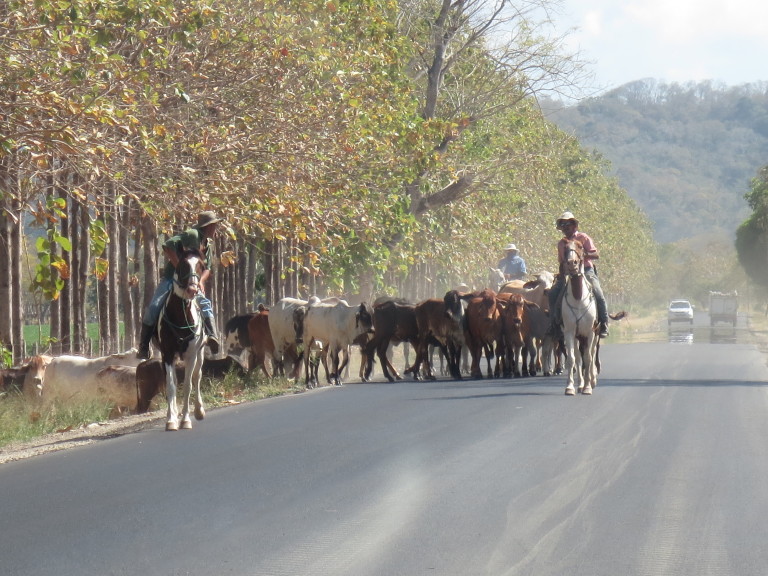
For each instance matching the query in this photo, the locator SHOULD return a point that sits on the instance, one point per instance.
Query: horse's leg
(172, 423)
(580, 352)
(590, 370)
(570, 360)
(190, 361)
(197, 376)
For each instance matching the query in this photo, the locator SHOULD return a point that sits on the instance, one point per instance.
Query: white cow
(69, 378)
(286, 325)
(335, 325)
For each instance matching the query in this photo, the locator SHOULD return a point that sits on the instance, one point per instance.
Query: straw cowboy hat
(566, 217)
(510, 247)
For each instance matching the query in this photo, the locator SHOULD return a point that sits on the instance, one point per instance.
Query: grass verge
(21, 421)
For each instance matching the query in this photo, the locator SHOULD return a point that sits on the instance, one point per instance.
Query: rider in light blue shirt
(512, 265)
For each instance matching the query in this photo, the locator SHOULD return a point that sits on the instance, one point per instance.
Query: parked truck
(723, 307)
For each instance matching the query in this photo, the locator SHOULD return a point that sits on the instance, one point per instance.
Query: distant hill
(684, 153)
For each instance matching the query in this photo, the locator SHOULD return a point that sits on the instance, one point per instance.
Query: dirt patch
(81, 436)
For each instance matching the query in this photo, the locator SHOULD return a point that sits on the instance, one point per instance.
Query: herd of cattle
(508, 327)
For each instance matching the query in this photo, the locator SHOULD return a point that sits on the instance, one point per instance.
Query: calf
(236, 339)
(335, 325)
(220, 367)
(150, 381)
(117, 385)
(261, 344)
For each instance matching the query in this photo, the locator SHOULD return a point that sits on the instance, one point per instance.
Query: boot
(603, 331)
(210, 331)
(144, 340)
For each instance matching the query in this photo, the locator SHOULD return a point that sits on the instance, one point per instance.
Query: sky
(669, 40)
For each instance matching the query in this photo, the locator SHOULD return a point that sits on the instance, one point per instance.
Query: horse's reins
(191, 326)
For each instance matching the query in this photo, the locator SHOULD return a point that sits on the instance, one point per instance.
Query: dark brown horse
(180, 332)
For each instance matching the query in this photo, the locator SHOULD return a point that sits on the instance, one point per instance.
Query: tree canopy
(377, 142)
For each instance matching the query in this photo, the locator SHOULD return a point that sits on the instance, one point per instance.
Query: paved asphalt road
(664, 470)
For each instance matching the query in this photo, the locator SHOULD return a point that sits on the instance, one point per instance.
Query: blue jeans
(164, 287)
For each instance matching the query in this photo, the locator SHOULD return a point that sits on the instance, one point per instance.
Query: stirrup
(603, 330)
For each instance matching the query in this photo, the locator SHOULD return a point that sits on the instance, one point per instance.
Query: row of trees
(354, 147)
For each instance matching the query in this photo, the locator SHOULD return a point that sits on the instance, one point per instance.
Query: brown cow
(441, 321)
(483, 330)
(260, 340)
(512, 319)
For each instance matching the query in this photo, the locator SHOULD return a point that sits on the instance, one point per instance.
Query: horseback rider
(198, 238)
(569, 225)
(512, 265)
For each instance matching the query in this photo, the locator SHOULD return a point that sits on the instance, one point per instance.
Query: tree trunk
(6, 290)
(55, 318)
(113, 271)
(149, 237)
(65, 298)
(17, 305)
(126, 299)
(84, 257)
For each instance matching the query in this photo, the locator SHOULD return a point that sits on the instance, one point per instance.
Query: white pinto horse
(181, 334)
(579, 316)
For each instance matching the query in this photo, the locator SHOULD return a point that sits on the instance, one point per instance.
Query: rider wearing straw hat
(569, 225)
(512, 265)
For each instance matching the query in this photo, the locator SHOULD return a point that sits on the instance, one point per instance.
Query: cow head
(298, 323)
(364, 318)
(512, 311)
(484, 305)
(35, 374)
(453, 308)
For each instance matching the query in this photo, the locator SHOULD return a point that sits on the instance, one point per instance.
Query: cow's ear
(502, 303)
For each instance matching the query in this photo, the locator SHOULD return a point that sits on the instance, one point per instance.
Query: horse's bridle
(579, 261)
(184, 282)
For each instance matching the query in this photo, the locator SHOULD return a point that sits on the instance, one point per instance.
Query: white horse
(579, 315)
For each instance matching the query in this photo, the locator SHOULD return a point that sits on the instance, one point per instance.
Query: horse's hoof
(186, 425)
(570, 392)
(171, 425)
(199, 413)
(587, 391)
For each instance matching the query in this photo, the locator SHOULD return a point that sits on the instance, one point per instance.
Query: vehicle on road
(680, 311)
(723, 307)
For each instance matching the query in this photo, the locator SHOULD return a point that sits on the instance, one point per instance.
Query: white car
(680, 311)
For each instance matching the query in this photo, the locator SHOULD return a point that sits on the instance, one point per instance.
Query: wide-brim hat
(510, 247)
(206, 219)
(564, 218)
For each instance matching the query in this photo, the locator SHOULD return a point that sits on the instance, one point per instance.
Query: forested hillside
(684, 153)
